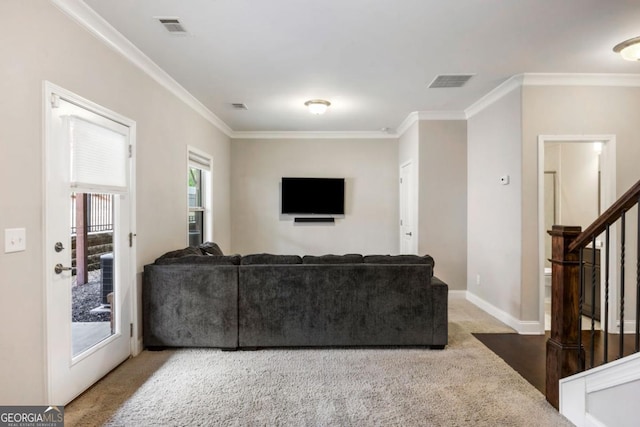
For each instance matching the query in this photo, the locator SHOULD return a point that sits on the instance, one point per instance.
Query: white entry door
(87, 157)
(408, 241)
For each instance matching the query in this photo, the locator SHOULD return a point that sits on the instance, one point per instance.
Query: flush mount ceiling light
(317, 106)
(629, 49)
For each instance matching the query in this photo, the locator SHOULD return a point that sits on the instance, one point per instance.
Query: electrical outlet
(478, 279)
(15, 240)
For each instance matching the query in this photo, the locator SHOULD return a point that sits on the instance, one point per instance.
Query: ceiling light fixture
(629, 49)
(317, 106)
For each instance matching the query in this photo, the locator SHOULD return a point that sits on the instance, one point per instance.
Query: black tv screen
(313, 196)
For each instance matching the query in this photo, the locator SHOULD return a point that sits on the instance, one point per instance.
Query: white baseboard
(523, 327)
(457, 294)
(137, 347)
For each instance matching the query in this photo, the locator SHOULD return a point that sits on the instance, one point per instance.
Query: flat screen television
(324, 196)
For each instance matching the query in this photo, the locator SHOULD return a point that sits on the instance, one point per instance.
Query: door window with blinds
(199, 219)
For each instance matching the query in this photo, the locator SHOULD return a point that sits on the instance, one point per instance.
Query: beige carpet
(464, 385)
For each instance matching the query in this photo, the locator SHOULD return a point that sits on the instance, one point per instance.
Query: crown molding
(407, 122)
(89, 19)
(552, 79)
(496, 94)
(314, 135)
(565, 79)
(441, 115)
(429, 115)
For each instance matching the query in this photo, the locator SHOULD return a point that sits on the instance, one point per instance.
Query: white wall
(442, 224)
(370, 223)
(494, 211)
(40, 43)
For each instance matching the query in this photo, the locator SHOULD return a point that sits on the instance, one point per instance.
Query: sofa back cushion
(260, 259)
(332, 259)
(336, 305)
(399, 259)
(201, 259)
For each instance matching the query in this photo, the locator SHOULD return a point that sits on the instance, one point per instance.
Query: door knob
(409, 234)
(59, 268)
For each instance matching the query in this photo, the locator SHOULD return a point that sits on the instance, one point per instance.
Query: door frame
(608, 197)
(130, 284)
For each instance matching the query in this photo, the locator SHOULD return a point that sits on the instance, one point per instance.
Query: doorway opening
(576, 183)
(92, 255)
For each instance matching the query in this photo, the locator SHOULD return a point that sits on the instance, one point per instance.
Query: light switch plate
(15, 240)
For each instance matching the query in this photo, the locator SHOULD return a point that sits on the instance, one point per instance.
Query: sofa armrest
(440, 311)
(190, 305)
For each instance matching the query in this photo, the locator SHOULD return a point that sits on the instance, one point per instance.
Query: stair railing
(569, 286)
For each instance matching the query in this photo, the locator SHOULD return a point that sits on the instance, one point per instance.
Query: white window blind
(99, 156)
(199, 161)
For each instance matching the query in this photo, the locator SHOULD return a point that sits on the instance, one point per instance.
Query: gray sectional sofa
(196, 299)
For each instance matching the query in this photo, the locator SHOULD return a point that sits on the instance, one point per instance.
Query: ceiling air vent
(452, 80)
(239, 106)
(173, 25)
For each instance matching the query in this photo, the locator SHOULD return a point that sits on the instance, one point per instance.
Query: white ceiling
(373, 59)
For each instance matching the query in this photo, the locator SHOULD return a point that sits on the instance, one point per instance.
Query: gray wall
(442, 225)
(575, 110)
(41, 43)
(371, 195)
(503, 220)
(494, 210)
(438, 151)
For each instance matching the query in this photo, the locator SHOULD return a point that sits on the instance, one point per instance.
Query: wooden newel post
(563, 352)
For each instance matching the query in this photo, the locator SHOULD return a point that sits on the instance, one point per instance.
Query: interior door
(77, 136)
(408, 241)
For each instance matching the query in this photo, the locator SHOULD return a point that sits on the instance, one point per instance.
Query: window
(199, 219)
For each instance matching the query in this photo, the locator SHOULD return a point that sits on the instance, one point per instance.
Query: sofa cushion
(259, 259)
(210, 248)
(200, 259)
(332, 259)
(188, 251)
(399, 259)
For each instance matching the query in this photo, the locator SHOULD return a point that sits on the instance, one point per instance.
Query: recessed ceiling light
(629, 49)
(317, 106)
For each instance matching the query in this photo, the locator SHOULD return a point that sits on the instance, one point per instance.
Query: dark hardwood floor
(526, 353)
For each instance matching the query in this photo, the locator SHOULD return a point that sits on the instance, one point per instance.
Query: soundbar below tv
(321, 196)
